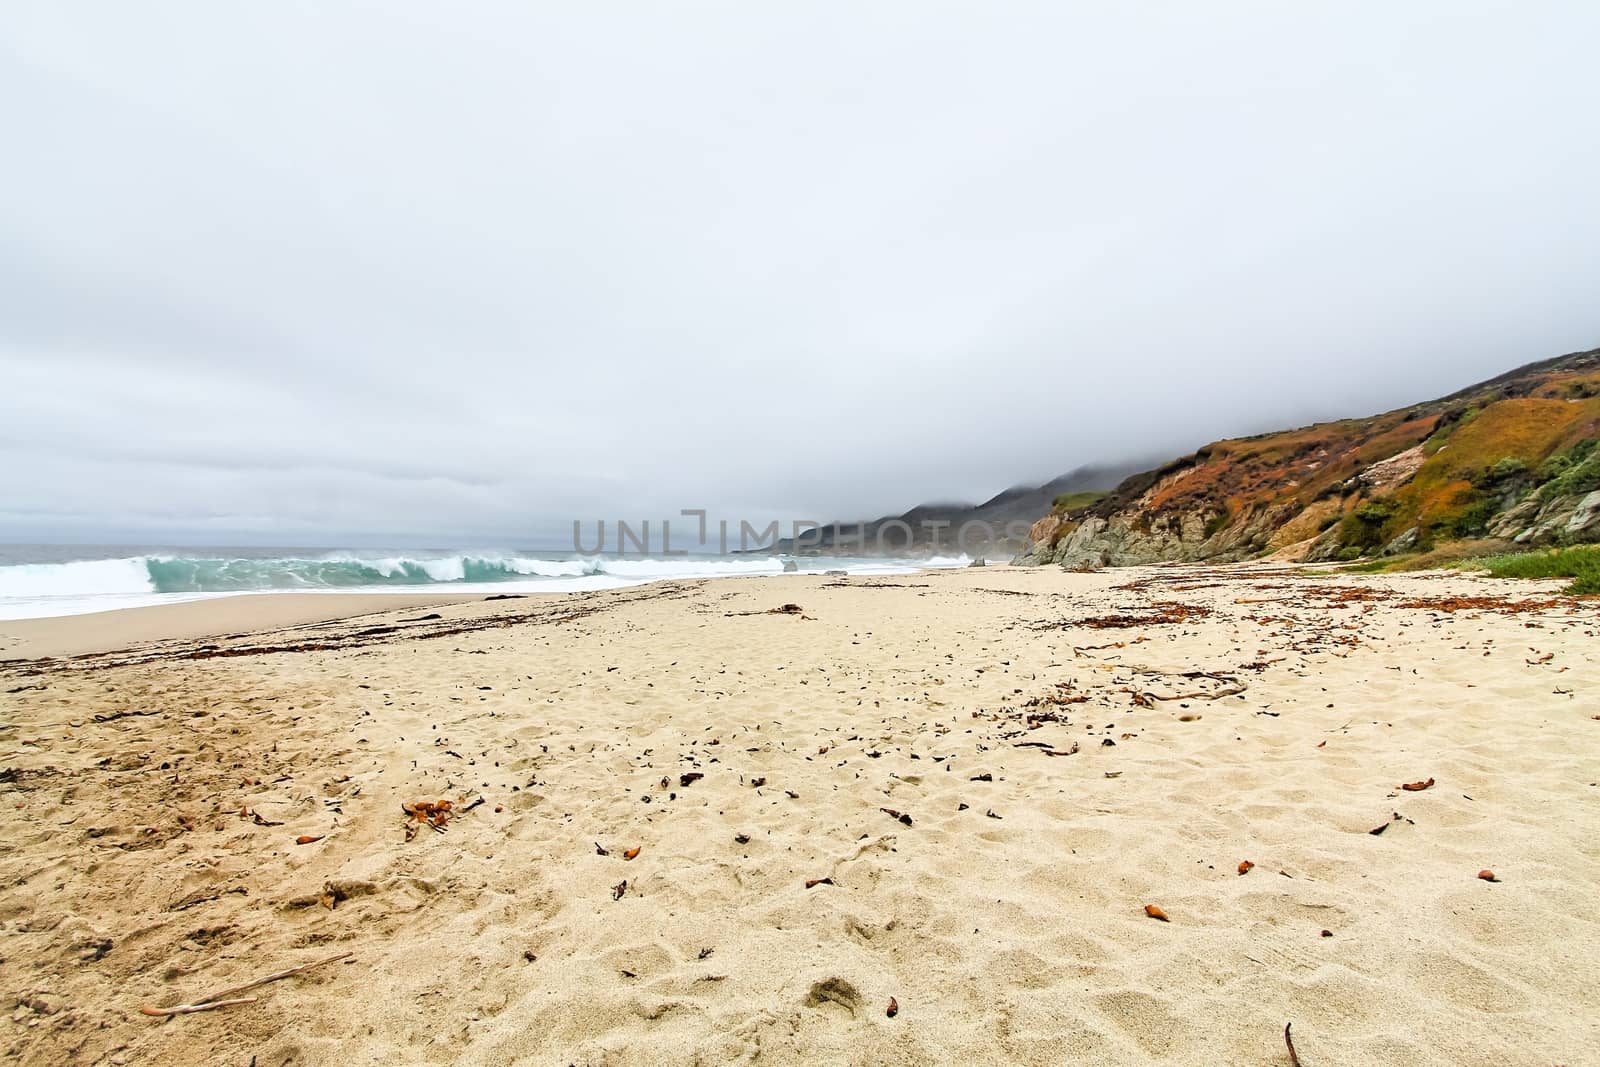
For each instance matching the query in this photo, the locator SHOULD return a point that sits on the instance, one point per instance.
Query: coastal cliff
(1511, 459)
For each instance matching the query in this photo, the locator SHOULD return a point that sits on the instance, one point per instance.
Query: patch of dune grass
(1467, 552)
(1580, 563)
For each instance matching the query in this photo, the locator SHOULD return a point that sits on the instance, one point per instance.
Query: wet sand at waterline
(104, 631)
(957, 793)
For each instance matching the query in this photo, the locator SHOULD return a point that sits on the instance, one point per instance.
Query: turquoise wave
(233, 575)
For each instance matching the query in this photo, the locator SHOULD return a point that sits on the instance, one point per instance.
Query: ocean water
(39, 581)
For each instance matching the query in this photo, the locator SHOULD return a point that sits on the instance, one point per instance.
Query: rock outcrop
(1562, 520)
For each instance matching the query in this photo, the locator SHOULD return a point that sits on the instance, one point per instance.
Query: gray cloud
(418, 271)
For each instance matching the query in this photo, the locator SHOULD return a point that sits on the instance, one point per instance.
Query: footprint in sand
(834, 991)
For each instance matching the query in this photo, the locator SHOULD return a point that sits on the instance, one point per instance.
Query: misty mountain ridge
(998, 525)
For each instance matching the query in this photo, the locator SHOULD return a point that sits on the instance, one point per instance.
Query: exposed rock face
(1045, 529)
(1133, 537)
(1304, 527)
(1513, 458)
(1537, 523)
(1584, 522)
(1402, 544)
(1385, 474)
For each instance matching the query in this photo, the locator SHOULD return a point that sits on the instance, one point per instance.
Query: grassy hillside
(1070, 502)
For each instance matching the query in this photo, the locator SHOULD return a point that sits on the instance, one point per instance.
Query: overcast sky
(462, 272)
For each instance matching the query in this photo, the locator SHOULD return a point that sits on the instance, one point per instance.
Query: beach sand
(992, 772)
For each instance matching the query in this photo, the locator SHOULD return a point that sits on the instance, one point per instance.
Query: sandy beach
(913, 820)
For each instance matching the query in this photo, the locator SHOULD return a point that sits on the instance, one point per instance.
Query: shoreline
(261, 611)
(192, 616)
(118, 629)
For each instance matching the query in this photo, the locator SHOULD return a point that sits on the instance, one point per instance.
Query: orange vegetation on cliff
(1434, 471)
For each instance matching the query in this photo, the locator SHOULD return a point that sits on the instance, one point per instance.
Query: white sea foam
(89, 577)
(36, 590)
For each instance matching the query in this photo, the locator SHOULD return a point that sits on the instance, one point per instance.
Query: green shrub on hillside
(1571, 473)
(1473, 519)
(1362, 528)
(1505, 469)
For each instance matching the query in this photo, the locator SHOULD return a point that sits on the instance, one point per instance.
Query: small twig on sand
(1201, 694)
(230, 997)
(787, 609)
(115, 715)
(1294, 1057)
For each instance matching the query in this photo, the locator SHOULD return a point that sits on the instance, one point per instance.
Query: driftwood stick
(229, 997)
(279, 976)
(189, 1009)
(1294, 1057)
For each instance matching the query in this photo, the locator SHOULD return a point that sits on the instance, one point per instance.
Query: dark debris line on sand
(580, 606)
